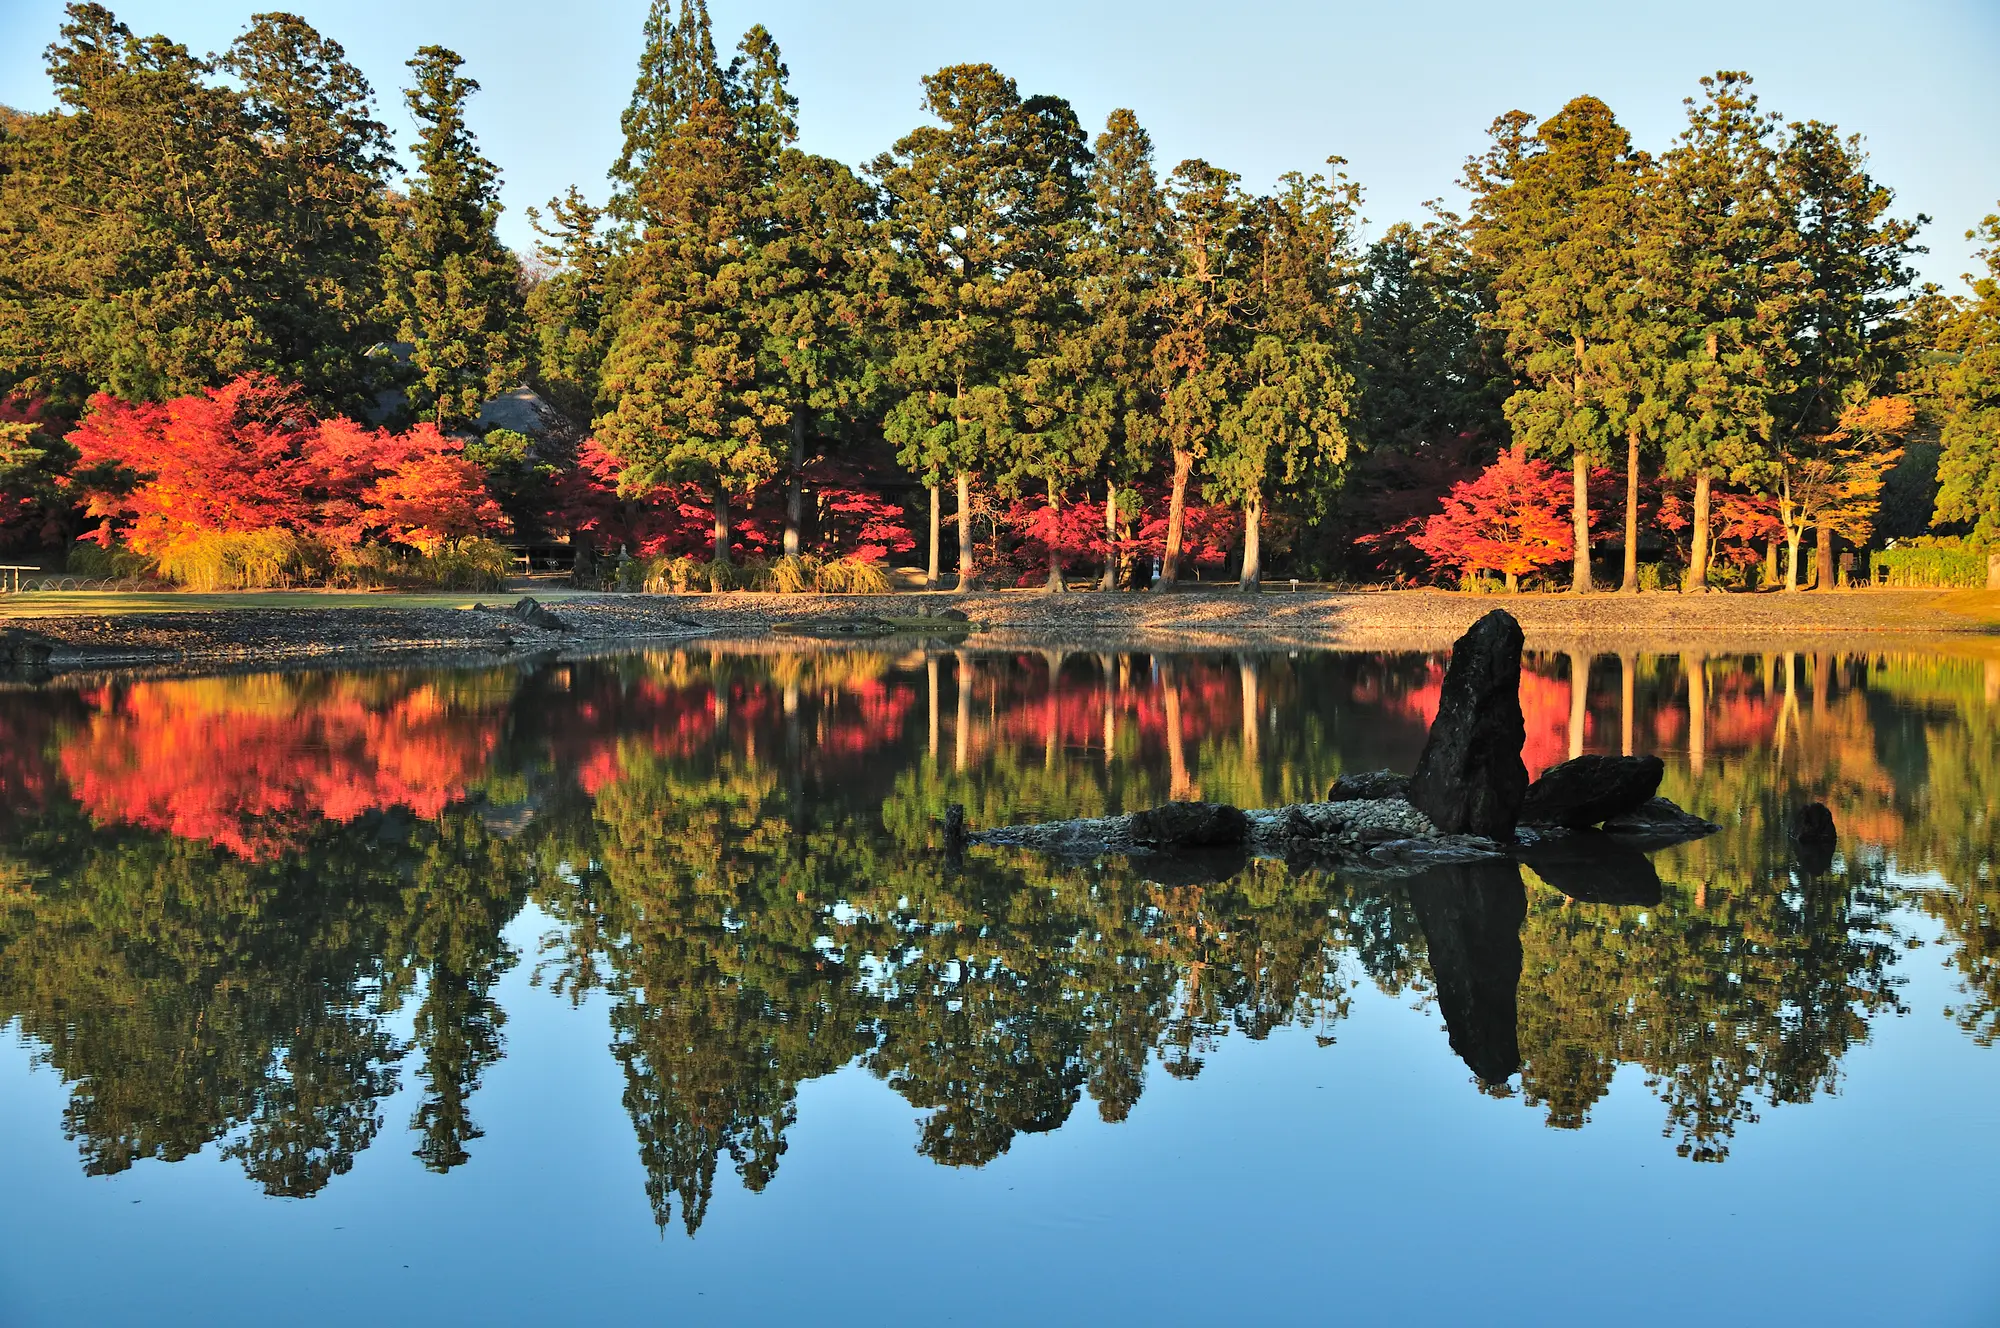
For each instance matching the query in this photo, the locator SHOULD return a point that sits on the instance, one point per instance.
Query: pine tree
(453, 288)
(1201, 310)
(1728, 274)
(1554, 216)
(1851, 258)
(1283, 426)
(327, 160)
(687, 402)
(1121, 263)
(968, 200)
(164, 233)
(567, 311)
(1969, 467)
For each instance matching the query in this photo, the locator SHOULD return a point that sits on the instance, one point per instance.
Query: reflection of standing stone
(1471, 915)
(1470, 779)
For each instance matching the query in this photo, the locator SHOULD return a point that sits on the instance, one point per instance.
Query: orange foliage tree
(1508, 520)
(250, 457)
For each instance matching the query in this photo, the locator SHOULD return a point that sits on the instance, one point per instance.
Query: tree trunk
(934, 577)
(966, 567)
(1253, 557)
(1056, 585)
(1513, 582)
(1110, 581)
(1631, 584)
(1825, 558)
(1170, 565)
(1579, 701)
(1771, 562)
(1579, 580)
(721, 524)
(1792, 537)
(1697, 570)
(795, 485)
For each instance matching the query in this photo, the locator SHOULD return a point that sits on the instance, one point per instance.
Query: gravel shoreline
(1192, 620)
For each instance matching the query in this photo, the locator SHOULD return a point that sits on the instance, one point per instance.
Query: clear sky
(1404, 92)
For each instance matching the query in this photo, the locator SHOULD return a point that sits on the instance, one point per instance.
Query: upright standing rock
(1470, 779)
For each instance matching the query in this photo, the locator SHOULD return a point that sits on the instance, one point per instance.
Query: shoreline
(1193, 620)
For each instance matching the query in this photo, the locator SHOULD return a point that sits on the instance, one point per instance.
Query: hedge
(1939, 568)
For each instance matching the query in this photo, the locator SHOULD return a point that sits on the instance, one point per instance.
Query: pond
(637, 988)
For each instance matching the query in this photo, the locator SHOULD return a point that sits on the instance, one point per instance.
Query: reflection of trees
(189, 996)
(740, 853)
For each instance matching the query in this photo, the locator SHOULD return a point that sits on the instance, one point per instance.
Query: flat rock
(19, 649)
(1470, 779)
(1190, 825)
(529, 612)
(1369, 786)
(1660, 819)
(1590, 790)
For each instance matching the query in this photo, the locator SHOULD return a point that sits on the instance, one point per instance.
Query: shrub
(851, 576)
(477, 564)
(1941, 565)
(91, 559)
(242, 560)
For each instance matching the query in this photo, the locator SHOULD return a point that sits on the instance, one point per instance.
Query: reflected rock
(1471, 916)
(1189, 825)
(1813, 824)
(1199, 866)
(1589, 790)
(1594, 868)
(1470, 778)
(1369, 786)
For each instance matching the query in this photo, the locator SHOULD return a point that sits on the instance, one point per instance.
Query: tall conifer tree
(453, 288)
(1554, 216)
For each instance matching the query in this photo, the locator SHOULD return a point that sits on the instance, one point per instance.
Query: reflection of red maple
(249, 764)
(1545, 710)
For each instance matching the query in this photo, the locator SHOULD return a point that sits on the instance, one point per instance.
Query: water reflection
(219, 899)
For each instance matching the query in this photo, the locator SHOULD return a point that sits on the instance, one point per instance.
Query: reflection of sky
(1366, 1181)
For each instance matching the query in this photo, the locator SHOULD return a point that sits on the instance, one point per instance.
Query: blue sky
(1404, 92)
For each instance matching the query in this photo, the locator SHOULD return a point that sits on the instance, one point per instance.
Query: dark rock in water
(1659, 821)
(530, 613)
(1195, 866)
(1589, 790)
(1190, 825)
(1814, 825)
(950, 615)
(1369, 786)
(1595, 868)
(23, 650)
(1471, 916)
(1470, 779)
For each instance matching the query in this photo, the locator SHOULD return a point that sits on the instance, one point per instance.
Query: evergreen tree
(1121, 263)
(1852, 259)
(1283, 427)
(1969, 467)
(453, 288)
(165, 234)
(567, 311)
(327, 160)
(1728, 273)
(1554, 216)
(970, 201)
(687, 403)
(1201, 310)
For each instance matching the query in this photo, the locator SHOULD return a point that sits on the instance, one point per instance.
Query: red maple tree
(1512, 519)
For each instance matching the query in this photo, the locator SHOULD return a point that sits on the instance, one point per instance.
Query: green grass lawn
(70, 603)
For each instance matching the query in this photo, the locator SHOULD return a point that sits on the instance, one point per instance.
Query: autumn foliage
(1512, 519)
(251, 457)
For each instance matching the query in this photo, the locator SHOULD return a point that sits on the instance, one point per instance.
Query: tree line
(1700, 357)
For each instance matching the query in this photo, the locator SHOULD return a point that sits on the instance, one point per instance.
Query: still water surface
(635, 990)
